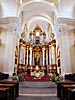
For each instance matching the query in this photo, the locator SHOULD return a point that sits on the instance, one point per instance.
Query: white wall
(8, 8)
(10, 39)
(72, 49)
(3, 36)
(66, 8)
(65, 41)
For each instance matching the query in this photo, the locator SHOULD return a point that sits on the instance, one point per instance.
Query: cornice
(63, 25)
(11, 24)
(8, 20)
(67, 21)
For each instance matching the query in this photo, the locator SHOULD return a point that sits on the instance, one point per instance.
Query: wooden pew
(4, 93)
(12, 90)
(3, 76)
(59, 83)
(70, 76)
(10, 81)
(64, 90)
(71, 94)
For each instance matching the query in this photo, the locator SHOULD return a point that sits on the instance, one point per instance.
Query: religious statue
(37, 60)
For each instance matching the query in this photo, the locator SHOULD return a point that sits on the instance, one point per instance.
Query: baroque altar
(37, 52)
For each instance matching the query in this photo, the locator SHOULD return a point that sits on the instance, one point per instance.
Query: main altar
(37, 57)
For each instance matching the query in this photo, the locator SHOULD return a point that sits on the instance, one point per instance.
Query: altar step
(38, 84)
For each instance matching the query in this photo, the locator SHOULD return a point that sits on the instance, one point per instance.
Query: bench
(59, 83)
(70, 76)
(3, 76)
(10, 81)
(71, 94)
(4, 93)
(11, 90)
(64, 90)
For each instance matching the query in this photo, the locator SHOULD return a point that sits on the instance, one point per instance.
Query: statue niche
(37, 60)
(37, 54)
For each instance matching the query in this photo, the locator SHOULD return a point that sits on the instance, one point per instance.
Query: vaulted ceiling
(38, 12)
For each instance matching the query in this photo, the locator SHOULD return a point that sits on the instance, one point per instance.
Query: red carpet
(33, 79)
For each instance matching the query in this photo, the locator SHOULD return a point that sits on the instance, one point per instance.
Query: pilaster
(62, 27)
(13, 27)
(64, 50)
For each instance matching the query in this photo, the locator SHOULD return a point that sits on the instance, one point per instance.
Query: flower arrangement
(18, 77)
(57, 78)
(54, 77)
(50, 74)
(14, 77)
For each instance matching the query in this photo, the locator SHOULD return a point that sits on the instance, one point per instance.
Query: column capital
(62, 25)
(63, 30)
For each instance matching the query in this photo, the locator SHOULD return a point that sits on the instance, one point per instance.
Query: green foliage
(19, 77)
(50, 74)
(14, 78)
(54, 79)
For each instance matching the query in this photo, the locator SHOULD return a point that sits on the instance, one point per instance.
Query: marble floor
(38, 93)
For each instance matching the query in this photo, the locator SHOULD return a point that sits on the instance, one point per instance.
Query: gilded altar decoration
(37, 74)
(37, 68)
(37, 56)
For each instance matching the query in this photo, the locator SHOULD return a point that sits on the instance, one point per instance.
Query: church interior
(37, 40)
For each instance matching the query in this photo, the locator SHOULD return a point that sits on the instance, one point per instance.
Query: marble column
(64, 50)
(12, 36)
(53, 54)
(33, 58)
(27, 55)
(46, 56)
(30, 55)
(50, 56)
(43, 52)
(62, 27)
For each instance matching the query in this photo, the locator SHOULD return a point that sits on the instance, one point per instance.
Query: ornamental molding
(63, 25)
(12, 24)
(67, 21)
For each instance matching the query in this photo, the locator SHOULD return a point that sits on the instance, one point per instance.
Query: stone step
(37, 84)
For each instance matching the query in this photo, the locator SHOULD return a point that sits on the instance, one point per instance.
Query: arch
(38, 17)
(49, 6)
